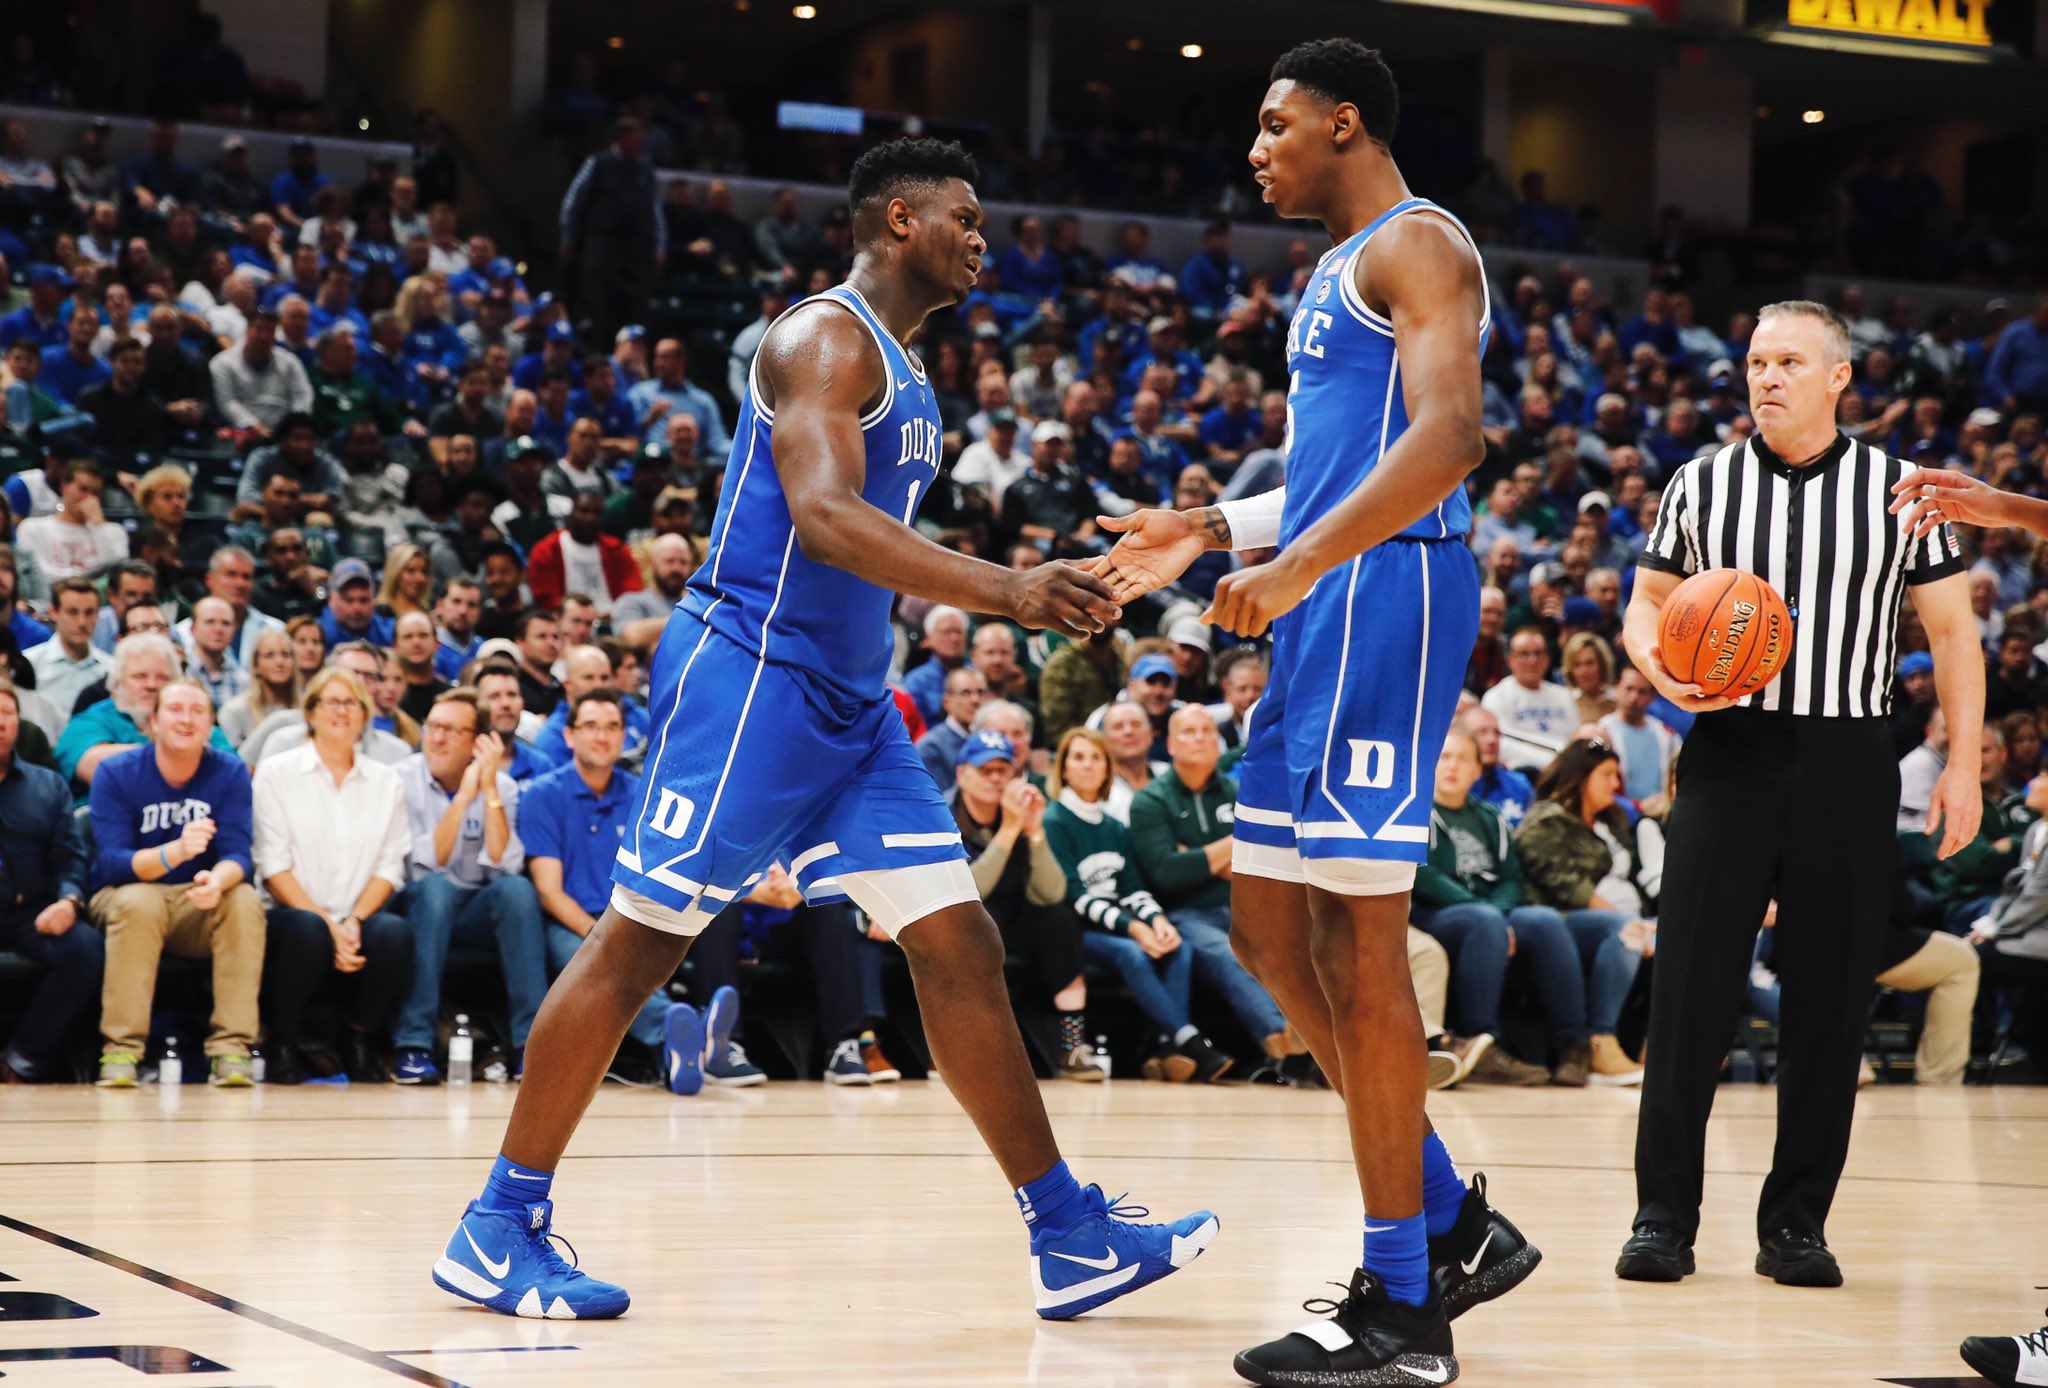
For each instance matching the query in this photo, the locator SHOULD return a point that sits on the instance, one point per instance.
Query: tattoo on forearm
(1212, 520)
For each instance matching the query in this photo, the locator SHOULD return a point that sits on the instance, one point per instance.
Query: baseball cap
(1233, 328)
(560, 331)
(651, 455)
(632, 332)
(500, 269)
(1051, 429)
(1721, 380)
(984, 747)
(1151, 667)
(1984, 417)
(1549, 571)
(545, 302)
(1592, 499)
(349, 571)
(999, 417)
(1161, 324)
(526, 445)
(1581, 612)
(50, 274)
(1189, 631)
(230, 143)
(1917, 663)
(498, 645)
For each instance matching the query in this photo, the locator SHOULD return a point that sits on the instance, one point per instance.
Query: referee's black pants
(1803, 810)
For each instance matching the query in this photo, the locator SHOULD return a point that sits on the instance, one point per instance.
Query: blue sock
(512, 1187)
(1443, 1191)
(1053, 1201)
(1397, 1252)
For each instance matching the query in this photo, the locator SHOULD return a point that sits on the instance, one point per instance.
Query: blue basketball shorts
(1340, 759)
(751, 763)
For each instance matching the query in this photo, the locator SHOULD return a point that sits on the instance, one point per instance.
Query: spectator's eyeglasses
(335, 704)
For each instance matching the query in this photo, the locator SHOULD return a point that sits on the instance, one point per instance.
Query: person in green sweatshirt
(1970, 880)
(1125, 927)
(1468, 896)
(1180, 836)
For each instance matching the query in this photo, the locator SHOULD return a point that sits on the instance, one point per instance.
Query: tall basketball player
(774, 739)
(1374, 604)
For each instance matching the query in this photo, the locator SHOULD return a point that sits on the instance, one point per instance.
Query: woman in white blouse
(330, 848)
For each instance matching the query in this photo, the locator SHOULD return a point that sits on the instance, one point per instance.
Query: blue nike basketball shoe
(1105, 1254)
(506, 1262)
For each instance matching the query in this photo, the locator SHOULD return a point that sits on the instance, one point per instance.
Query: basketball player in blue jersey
(1373, 604)
(773, 739)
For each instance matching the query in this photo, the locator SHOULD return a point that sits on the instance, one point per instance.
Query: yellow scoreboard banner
(1909, 21)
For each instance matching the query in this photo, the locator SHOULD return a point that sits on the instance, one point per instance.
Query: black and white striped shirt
(1823, 535)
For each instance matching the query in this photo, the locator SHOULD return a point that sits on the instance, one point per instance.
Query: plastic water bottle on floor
(257, 1070)
(170, 1068)
(461, 1050)
(1102, 1055)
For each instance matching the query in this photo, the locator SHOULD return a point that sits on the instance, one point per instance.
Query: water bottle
(1102, 1055)
(170, 1069)
(461, 1050)
(257, 1071)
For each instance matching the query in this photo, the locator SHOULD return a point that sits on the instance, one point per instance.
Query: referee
(1791, 793)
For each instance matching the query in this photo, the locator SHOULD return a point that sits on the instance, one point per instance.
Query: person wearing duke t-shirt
(171, 821)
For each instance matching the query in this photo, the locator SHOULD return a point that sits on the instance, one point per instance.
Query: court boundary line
(219, 1301)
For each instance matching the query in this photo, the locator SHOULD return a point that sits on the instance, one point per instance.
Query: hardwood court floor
(795, 1234)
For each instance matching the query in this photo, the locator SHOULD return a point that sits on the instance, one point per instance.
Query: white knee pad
(1264, 860)
(1359, 876)
(655, 916)
(896, 897)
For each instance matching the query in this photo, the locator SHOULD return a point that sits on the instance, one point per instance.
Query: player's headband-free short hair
(900, 167)
(1346, 72)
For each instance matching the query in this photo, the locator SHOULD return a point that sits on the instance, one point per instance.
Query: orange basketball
(1726, 631)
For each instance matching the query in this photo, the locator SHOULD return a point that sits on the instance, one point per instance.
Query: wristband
(1254, 520)
(164, 857)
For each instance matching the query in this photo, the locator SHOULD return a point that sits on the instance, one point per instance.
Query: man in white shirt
(256, 385)
(995, 461)
(79, 538)
(1536, 717)
(1919, 770)
(68, 662)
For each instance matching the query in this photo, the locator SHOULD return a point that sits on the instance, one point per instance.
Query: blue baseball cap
(50, 274)
(1581, 612)
(984, 747)
(560, 331)
(1151, 667)
(500, 269)
(1917, 663)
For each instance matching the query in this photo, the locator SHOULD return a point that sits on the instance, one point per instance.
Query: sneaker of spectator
(845, 1066)
(879, 1068)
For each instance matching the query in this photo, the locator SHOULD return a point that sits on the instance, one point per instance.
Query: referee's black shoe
(1654, 1253)
(1371, 1340)
(1796, 1258)
(1480, 1257)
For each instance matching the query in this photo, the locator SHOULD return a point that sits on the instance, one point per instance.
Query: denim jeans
(647, 1023)
(1610, 965)
(440, 910)
(1160, 986)
(1476, 936)
(1206, 930)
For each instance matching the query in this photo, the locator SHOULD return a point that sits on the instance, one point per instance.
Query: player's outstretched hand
(1943, 494)
(1065, 598)
(1156, 548)
(1250, 600)
(1685, 696)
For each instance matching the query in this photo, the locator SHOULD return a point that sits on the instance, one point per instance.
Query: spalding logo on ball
(1726, 631)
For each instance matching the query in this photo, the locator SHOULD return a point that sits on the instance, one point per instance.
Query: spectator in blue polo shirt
(42, 904)
(1031, 267)
(463, 877)
(41, 319)
(600, 400)
(72, 369)
(1213, 278)
(292, 192)
(585, 668)
(456, 612)
(669, 390)
(351, 613)
(557, 353)
(576, 816)
(1233, 426)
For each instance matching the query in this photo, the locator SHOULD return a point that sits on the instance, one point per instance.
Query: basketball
(1726, 631)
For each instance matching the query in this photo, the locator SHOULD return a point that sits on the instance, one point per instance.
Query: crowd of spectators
(333, 548)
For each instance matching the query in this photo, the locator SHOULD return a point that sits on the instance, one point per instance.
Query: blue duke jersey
(772, 736)
(1341, 754)
(756, 588)
(1344, 400)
